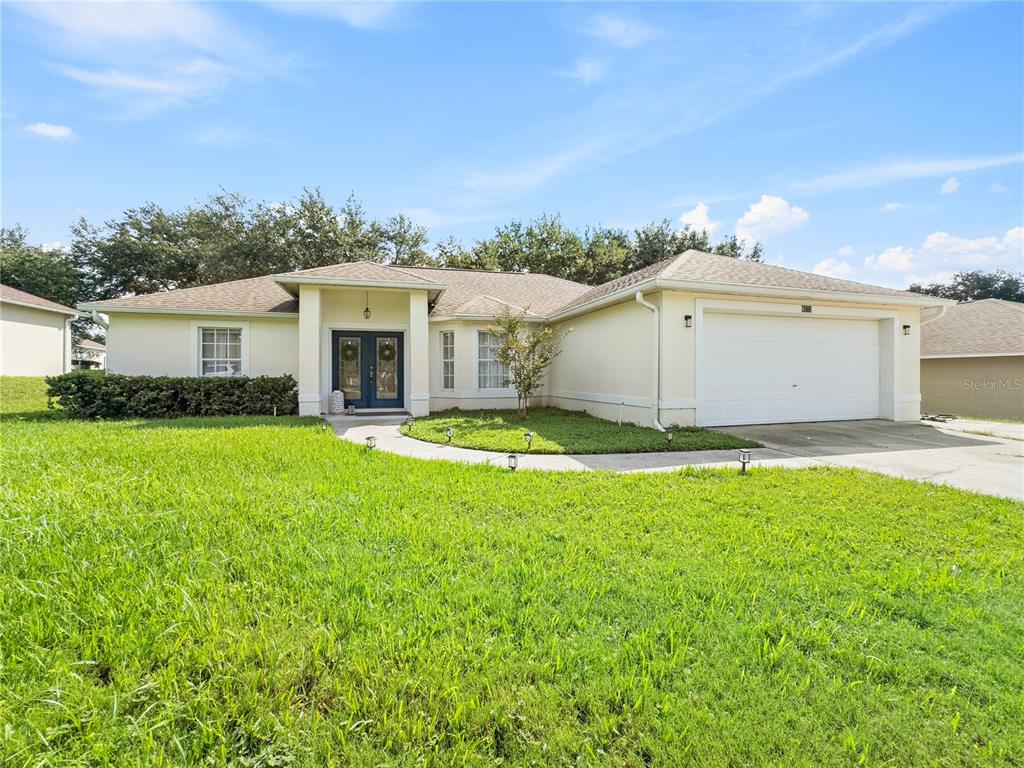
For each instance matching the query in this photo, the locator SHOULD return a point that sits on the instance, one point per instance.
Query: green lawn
(24, 397)
(558, 431)
(257, 592)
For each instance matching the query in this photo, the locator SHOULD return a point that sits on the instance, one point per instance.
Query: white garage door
(760, 369)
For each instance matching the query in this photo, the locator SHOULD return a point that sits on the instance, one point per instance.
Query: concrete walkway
(913, 451)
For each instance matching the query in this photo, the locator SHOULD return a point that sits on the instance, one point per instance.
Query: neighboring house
(89, 355)
(972, 360)
(695, 339)
(35, 334)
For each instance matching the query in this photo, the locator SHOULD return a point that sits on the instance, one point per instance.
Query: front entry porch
(368, 367)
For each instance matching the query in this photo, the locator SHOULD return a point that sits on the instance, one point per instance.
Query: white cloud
(891, 207)
(620, 31)
(846, 252)
(949, 186)
(699, 220)
(55, 245)
(895, 259)
(51, 131)
(833, 268)
(770, 216)
(149, 56)
(587, 71)
(371, 14)
(942, 254)
(887, 173)
(998, 188)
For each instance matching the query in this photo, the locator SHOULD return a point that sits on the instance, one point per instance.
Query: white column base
(309, 405)
(419, 405)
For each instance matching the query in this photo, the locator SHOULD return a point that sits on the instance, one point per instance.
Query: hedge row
(97, 395)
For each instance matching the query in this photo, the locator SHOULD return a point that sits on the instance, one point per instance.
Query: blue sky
(879, 142)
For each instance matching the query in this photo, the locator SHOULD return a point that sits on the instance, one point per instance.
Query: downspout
(98, 319)
(655, 359)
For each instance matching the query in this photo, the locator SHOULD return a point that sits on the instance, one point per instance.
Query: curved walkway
(385, 428)
(987, 464)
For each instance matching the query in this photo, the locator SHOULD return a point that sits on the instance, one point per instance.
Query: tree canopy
(976, 285)
(230, 237)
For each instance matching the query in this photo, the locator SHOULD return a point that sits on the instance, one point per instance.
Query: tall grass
(257, 592)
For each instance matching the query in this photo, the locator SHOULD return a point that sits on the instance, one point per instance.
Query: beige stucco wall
(167, 345)
(605, 365)
(33, 342)
(982, 387)
(466, 395)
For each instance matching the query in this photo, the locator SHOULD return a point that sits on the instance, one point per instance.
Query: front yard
(258, 592)
(558, 431)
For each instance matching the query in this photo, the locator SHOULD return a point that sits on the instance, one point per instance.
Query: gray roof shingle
(24, 297)
(985, 327)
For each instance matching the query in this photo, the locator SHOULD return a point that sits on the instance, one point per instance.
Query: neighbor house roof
(90, 344)
(14, 296)
(696, 269)
(985, 327)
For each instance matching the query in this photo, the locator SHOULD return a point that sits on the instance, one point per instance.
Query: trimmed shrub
(99, 395)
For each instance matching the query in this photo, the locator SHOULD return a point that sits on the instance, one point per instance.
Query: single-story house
(694, 339)
(35, 334)
(89, 355)
(972, 360)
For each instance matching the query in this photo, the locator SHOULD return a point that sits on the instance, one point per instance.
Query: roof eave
(30, 305)
(697, 286)
(178, 311)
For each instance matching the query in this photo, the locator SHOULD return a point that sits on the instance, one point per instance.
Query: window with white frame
(220, 351)
(490, 373)
(447, 359)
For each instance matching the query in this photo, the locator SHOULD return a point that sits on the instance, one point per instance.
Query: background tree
(527, 351)
(972, 286)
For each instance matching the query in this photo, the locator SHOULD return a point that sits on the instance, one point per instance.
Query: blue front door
(368, 367)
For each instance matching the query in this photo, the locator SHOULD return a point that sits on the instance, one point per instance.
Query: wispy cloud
(903, 170)
(376, 14)
(891, 207)
(653, 103)
(587, 71)
(149, 56)
(620, 31)
(51, 131)
(949, 186)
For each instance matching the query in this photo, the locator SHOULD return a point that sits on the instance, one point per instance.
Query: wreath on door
(350, 353)
(387, 352)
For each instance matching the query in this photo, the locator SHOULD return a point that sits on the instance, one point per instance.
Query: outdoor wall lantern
(529, 439)
(366, 309)
(451, 433)
(669, 436)
(513, 462)
(906, 330)
(371, 442)
(688, 319)
(744, 454)
(351, 410)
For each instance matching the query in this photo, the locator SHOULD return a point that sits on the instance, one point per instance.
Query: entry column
(419, 355)
(309, 350)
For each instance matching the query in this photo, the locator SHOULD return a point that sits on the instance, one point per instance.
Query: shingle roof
(539, 294)
(985, 327)
(699, 267)
(361, 270)
(90, 344)
(24, 297)
(255, 294)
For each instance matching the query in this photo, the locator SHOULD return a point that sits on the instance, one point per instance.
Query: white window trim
(476, 369)
(455, 370)
(195, 358)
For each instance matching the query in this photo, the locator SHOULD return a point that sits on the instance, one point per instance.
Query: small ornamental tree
(526, 351)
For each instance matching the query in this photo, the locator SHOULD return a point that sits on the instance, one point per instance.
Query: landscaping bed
(558, 431)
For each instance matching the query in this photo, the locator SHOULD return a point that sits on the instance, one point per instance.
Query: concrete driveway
(916, 451)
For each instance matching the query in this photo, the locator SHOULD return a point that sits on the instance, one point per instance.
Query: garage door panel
(763, 369)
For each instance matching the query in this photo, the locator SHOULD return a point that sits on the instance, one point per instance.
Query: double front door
(368, 368)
